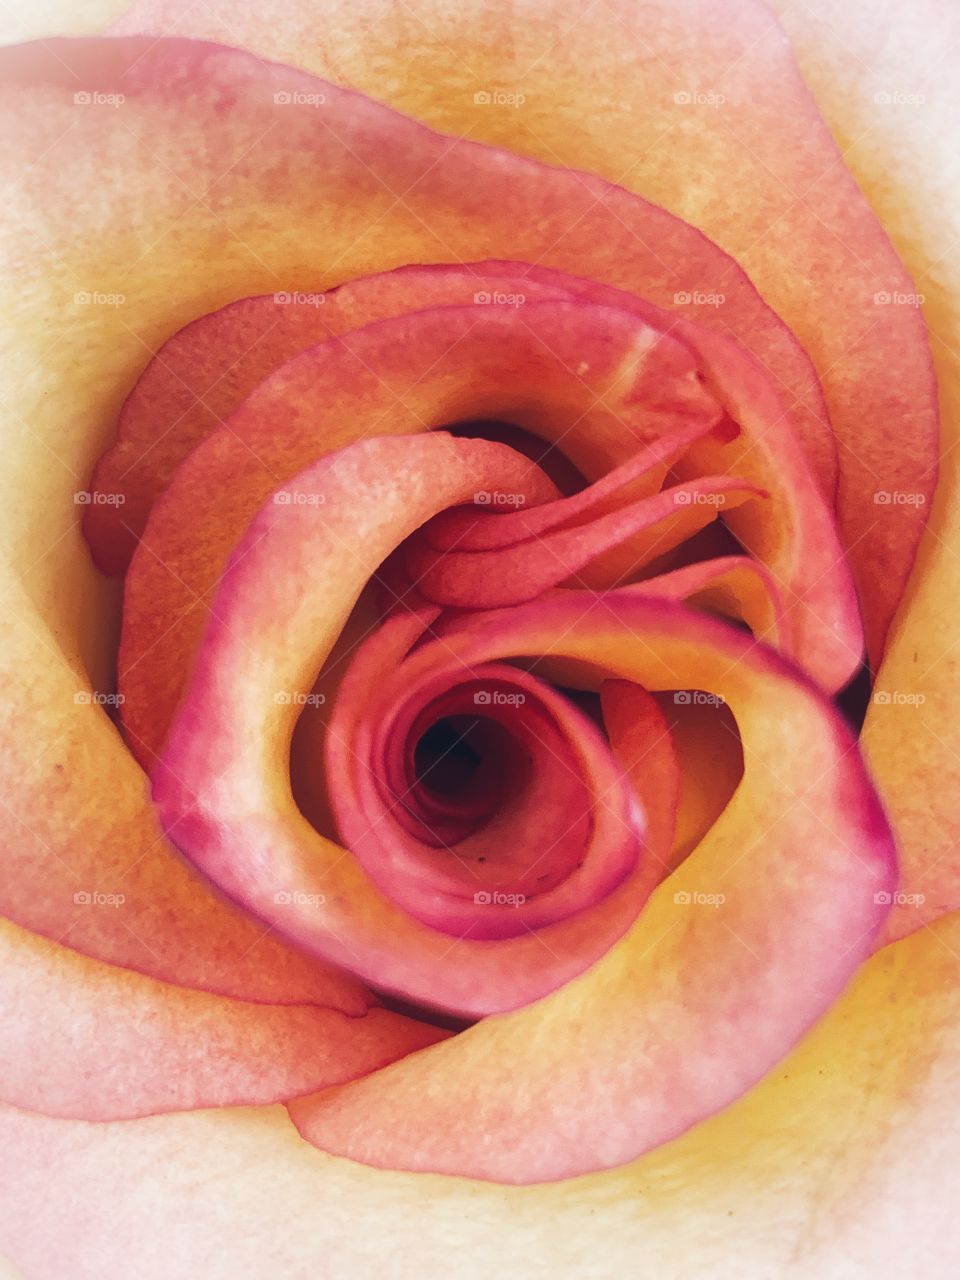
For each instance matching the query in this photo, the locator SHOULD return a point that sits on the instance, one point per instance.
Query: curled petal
(734, 957)
(547, 825)
(567, 371)
(222, 787)
(700, 100)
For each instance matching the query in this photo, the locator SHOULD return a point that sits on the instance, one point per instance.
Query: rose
(373, 1193)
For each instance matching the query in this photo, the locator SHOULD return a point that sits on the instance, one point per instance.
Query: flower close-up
(479, 540)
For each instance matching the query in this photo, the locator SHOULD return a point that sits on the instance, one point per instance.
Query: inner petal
(483, 801)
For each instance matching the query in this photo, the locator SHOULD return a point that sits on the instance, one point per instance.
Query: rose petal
(487, 579)
(640, 739)
(566, 370)
(828, 1158)
(401, 194)
(76, 819)
(886, 86)
(222, 788)
(556, 833)
(702, 996)
(776, 196)
(87, 1040)
(207, 369)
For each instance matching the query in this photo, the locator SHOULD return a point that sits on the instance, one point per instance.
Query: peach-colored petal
(221, 785)
(565, 370)
(204, 372)
(887, 87)
(749, 940)
(91, 1041)
(698, 106)
(76, 819)
(824, 1170)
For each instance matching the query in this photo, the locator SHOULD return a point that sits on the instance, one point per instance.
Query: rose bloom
(480, 645)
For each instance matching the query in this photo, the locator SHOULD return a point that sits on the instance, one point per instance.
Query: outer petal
(903, 149)
(697, 105)
(824, 1170)
(88, 1040)
(236, 191)
(76, 819)
(56, 18)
